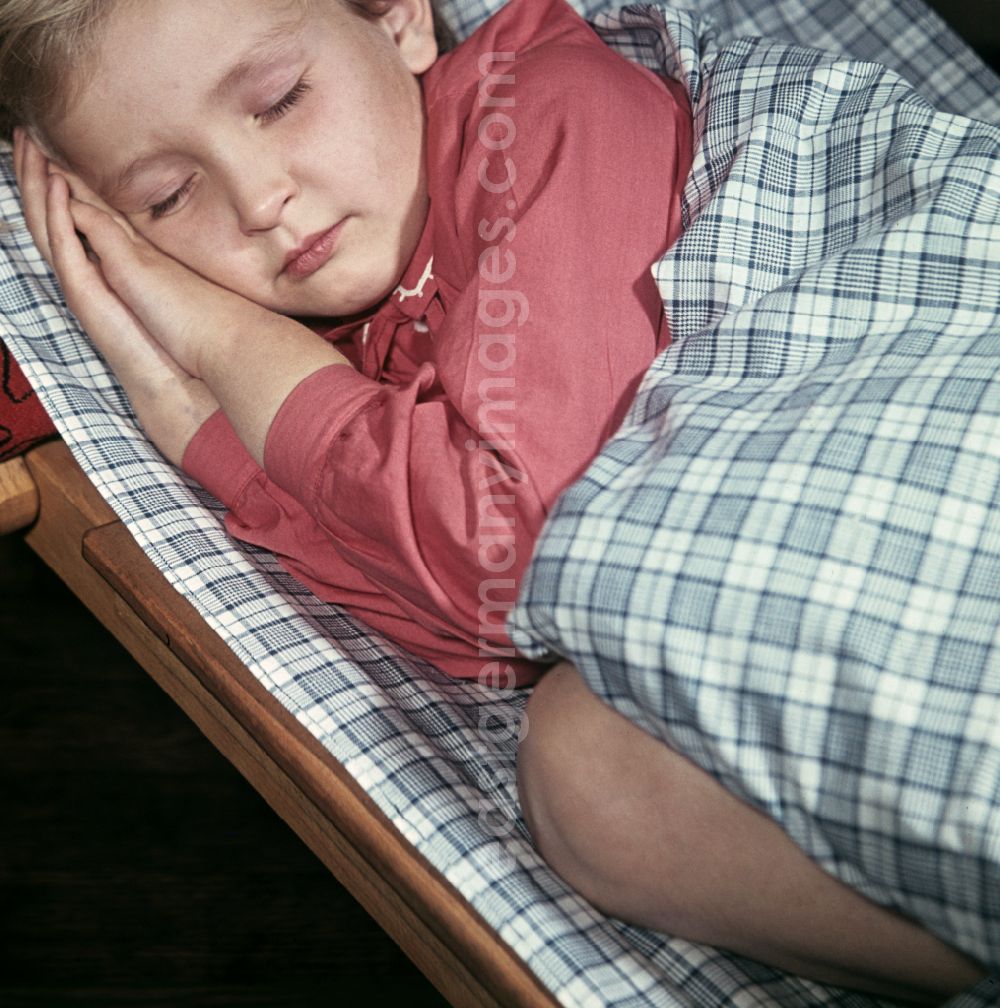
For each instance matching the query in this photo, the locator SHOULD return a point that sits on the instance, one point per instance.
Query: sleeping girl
(386, 305)
(453, 238)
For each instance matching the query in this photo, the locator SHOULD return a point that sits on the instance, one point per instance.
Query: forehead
(189, 40)
(159, 64)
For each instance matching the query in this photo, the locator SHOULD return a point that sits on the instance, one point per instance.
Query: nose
(260, 195)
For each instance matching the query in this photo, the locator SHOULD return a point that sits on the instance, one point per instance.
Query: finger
(102, 222)
(31, 170)
(128, 272)
(69, 257)
(79, 190)
(32, 176)
(118, 250)
(137, 273)
(82, 192)
(134, 267)
(111, 324)
(82, 280)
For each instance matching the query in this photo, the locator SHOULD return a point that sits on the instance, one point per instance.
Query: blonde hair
(40, 42)
(43, 43)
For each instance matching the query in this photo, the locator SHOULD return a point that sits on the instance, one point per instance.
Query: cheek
(324, 141)
(168, 236)
(368, 126)
(202, 243)
(188, 237)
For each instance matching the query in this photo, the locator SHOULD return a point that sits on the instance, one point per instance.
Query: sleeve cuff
(309, 419)
(219, 461)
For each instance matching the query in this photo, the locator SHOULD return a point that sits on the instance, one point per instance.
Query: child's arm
(201, 346)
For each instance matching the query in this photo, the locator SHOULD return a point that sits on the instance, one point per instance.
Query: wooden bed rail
(18, 496)
(80, 537)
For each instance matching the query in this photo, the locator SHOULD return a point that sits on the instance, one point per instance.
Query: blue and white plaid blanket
(787, 562)
(810, 472)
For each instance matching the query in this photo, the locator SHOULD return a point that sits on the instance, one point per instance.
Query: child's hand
(127, 293)
(170, 403)
(123, 270)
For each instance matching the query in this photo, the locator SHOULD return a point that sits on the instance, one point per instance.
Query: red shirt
(412, 489)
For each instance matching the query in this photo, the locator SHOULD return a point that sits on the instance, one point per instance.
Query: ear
(411, 24)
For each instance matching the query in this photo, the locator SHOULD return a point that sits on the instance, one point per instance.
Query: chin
(324, 305)
(354, 299)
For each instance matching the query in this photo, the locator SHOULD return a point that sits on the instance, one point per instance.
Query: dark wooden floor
(137, 867)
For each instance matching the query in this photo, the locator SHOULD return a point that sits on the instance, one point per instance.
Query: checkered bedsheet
(435, 754)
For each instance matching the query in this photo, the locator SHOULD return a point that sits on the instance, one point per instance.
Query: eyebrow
(271, 45)
(127, 175)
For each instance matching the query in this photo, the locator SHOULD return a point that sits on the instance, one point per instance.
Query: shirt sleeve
(262, 513)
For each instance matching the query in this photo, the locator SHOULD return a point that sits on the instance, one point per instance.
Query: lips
(313, 253)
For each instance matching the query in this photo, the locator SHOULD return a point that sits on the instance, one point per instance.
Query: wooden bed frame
(65, 521)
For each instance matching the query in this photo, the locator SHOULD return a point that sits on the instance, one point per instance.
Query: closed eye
(270, 114)
(161, 209)
(283, 104)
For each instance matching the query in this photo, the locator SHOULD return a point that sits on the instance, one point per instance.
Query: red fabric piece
(412, 490)
(23, 420)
